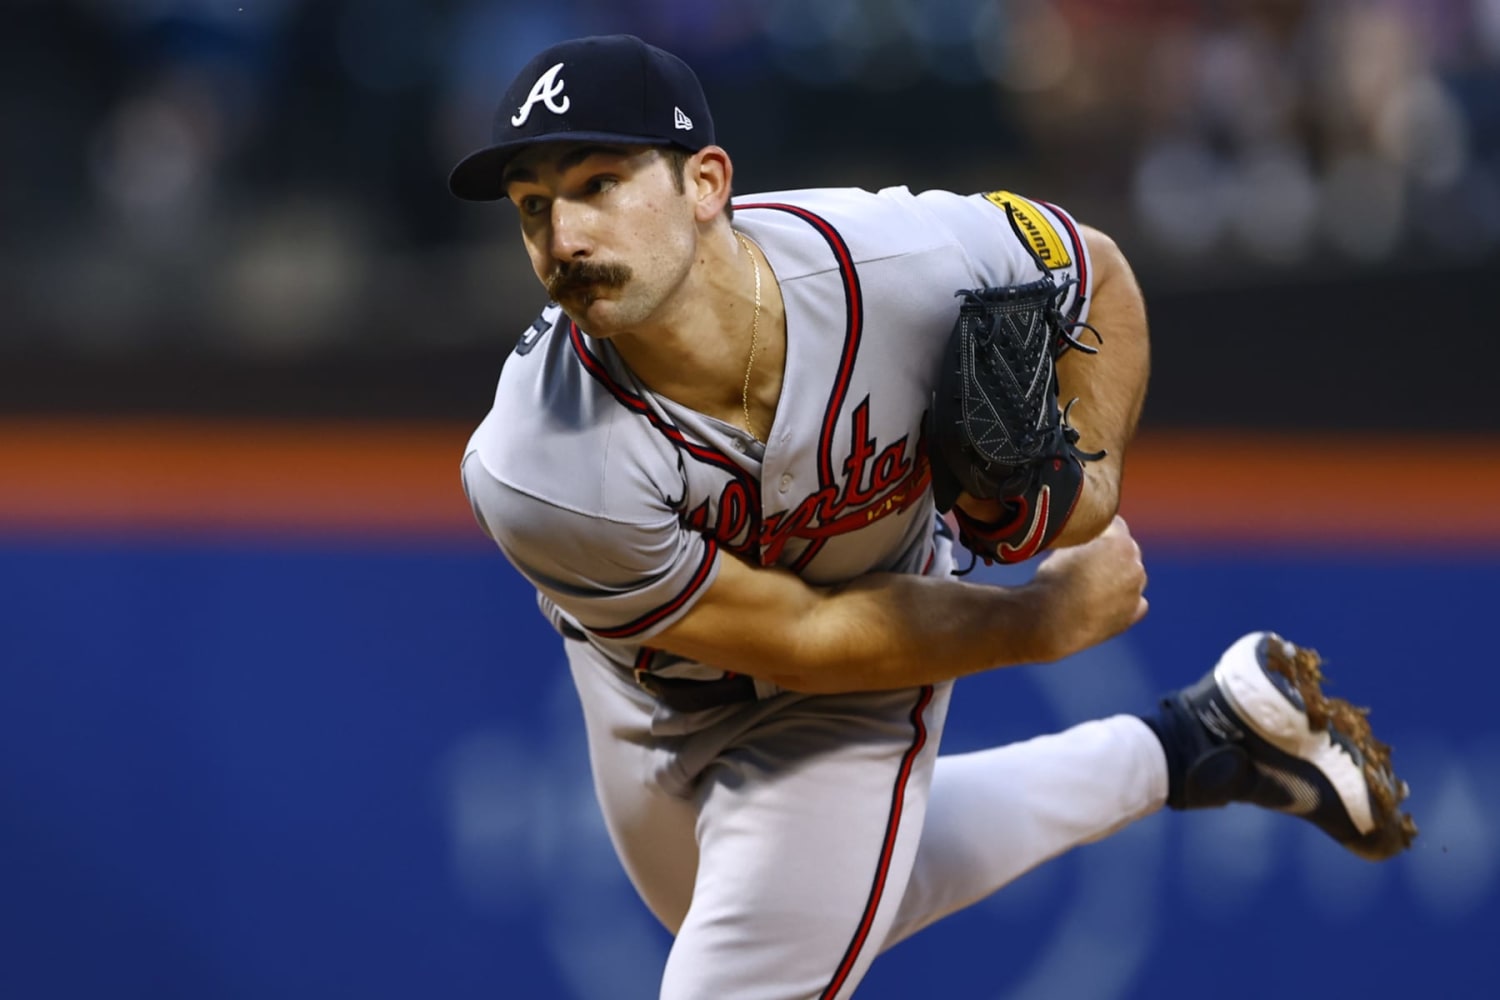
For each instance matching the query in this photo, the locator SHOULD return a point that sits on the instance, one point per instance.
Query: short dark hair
(677, 158)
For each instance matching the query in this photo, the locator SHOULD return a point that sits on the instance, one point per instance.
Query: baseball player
(712, 455)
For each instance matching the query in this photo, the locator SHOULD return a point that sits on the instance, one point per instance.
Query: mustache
(578, 275)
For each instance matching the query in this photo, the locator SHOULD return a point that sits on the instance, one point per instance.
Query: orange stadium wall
(164, 478)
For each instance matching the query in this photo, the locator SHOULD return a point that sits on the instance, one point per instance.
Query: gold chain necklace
(754, 336)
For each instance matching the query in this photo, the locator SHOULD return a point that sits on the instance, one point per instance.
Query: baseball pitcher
(722, 454)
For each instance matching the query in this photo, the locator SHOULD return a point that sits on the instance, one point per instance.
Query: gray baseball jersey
(786, 840)
(617, 503)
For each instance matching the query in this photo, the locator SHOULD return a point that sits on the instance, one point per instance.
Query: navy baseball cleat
(1259, 729)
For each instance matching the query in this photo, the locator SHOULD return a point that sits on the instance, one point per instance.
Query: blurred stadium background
(275, 722)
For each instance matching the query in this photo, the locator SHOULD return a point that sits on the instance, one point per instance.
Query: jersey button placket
(785, 482)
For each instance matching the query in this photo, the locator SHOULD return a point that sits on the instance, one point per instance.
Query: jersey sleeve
(620, 580)
(1003, 252)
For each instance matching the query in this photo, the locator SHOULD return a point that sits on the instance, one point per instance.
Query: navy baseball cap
(606, 88)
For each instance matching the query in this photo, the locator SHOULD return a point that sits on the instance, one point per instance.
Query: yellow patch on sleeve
(1049, 246)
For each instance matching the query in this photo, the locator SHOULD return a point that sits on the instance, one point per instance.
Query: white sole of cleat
(1265, 708)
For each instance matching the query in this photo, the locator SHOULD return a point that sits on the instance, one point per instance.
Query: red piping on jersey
(853, 330)
(636, 404)
(1078, 255)
(892, 828)
(854, 326)
(639, 406)
(710, 551)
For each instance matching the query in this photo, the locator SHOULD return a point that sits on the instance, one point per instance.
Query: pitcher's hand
(1094, 591)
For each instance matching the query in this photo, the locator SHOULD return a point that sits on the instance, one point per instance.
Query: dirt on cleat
(1394, 830)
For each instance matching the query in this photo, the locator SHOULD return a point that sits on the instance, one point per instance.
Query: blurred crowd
(267, 176)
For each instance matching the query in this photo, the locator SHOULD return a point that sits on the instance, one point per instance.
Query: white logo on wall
(547, 89)
(681, 120)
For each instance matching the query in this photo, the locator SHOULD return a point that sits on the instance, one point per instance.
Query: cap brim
(480, 176)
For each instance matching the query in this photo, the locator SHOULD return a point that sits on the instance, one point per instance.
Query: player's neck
(696, 351)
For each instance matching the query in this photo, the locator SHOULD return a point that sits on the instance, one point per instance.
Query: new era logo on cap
(604, 89)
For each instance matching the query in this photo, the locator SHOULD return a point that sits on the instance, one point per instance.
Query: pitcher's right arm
(887, 630)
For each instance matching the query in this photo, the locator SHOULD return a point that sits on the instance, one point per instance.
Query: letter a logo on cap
(546, 89)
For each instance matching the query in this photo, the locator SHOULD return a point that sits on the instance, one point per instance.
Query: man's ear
(709, 176)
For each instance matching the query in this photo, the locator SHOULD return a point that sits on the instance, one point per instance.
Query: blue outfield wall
(249, 770)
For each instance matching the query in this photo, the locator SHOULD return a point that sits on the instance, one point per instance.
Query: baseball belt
(680, 693)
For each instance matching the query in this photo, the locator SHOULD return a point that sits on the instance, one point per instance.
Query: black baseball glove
(997, 431)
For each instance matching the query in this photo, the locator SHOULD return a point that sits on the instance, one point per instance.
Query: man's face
(608, 231)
